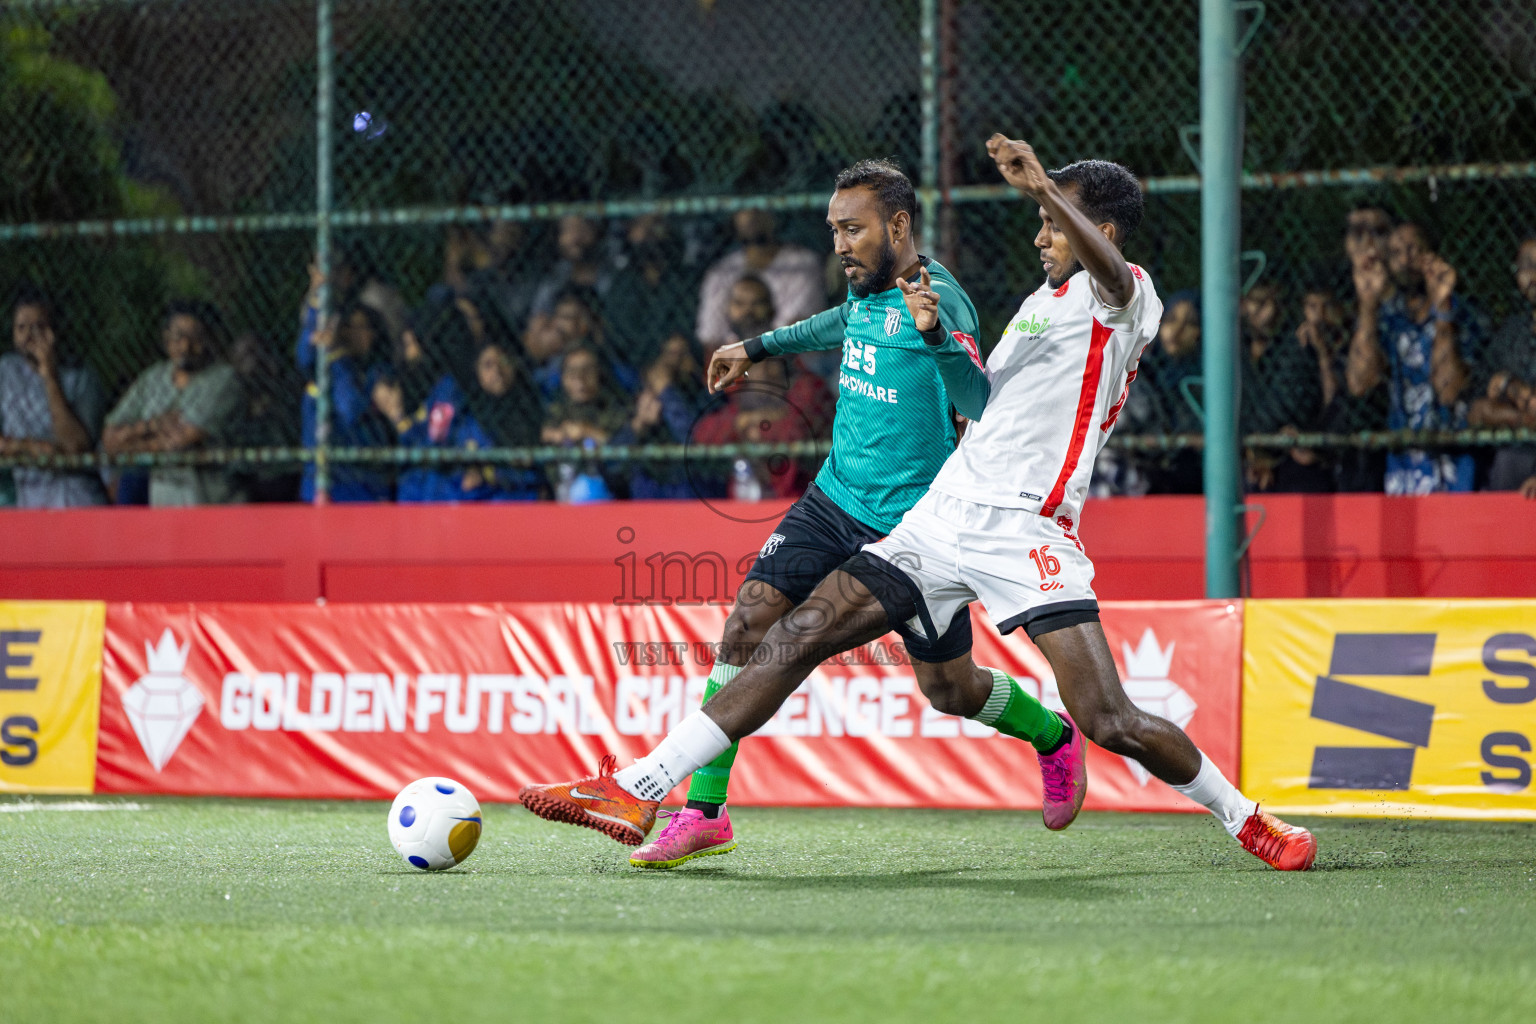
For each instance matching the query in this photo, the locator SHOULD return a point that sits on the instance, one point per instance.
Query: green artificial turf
(197, 910)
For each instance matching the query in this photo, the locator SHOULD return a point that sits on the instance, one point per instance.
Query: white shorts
(1025, 569)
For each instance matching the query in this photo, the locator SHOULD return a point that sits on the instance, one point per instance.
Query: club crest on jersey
(771, 545)
(892, 321)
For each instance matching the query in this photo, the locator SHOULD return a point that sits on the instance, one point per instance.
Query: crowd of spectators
(1403, 351)
(605, 342)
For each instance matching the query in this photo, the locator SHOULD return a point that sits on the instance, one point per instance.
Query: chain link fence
(524, 202)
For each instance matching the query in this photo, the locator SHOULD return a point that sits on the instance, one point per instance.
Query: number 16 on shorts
(1048, 565)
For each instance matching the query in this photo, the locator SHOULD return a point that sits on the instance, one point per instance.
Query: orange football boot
(1281, 846)
(595, 802)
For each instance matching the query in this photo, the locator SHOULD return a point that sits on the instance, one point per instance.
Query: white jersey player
(998, 523)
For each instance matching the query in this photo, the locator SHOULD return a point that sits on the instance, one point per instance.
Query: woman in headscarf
(499, 408)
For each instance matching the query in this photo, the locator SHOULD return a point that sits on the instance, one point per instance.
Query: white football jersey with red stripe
(1060, 376)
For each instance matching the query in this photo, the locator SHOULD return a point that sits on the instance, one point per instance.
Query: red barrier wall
(1144, 548)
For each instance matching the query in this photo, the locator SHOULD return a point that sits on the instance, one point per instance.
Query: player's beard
(1066, 275)
(878, 278)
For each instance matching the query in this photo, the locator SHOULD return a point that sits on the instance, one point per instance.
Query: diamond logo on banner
(163, 704)
(1148, 686)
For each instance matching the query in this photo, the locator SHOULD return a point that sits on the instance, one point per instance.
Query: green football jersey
(893, 428)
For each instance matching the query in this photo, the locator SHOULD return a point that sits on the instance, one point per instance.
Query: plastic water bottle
(566, 473)
(744, 483)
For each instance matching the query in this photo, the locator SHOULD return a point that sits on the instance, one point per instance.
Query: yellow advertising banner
(50, 695)
(1391, 708)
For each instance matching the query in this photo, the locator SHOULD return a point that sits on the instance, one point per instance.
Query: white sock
(695, 742)
(1211, 790)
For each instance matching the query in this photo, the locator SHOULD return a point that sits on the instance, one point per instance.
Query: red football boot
(1281, 846)
(595, 802)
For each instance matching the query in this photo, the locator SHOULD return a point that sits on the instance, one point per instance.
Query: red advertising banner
(353, 701)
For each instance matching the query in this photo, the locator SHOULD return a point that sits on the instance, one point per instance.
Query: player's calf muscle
(1090, 688)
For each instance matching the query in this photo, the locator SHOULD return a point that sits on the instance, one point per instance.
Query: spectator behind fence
(792, 274)
(1366, 231)
(411, 371)
(1166, 395)
(589, 411)
(181, 403)
(575, 323)
(653, 296)
(1321, 332)
(353, 347)
(510, 278)
(662, 414)
(582, 264)
(355, 278)
(266, 419)
(680, 356)
(1282, 393)
(588, 407)
(1508, 385)
(498, 408)
(50, 404)
(1418, 335)
(763, 409)
(490, 266)
(751, 312)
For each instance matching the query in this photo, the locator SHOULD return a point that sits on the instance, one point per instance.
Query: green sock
(709, 783)
(1015, 713)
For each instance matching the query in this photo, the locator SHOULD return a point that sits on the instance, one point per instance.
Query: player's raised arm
(1095, 246)
(964, 378)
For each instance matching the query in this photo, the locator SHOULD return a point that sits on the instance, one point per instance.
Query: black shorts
(815, 537)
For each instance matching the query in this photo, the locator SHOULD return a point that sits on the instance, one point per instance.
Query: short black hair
(893, 189)
(1106, 191)
(29, 294)
(755, 281)
(1373, 201)
(1428, 235)
(205, 313)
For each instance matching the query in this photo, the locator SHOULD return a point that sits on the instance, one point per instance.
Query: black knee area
(894, 589)
(1048, 618)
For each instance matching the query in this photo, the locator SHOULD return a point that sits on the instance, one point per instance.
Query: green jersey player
(892, 431)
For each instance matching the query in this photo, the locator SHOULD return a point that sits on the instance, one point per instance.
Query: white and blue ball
(434, 823)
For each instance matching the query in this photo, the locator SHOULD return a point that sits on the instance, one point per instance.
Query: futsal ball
(434, 823)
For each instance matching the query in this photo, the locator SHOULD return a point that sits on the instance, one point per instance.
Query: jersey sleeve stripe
(1087, 398)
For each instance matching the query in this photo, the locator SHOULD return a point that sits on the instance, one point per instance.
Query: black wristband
(934, 337)
(755, 349)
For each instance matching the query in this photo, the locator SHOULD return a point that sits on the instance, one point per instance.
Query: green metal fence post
(1220, 158)
(325, 88)
(928, 183)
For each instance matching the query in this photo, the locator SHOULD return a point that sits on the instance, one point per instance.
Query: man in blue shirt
(1416, 332)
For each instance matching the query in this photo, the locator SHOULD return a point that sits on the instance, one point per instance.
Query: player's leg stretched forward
(1090, 687)
(814, 538)
(703, 827)
(840, 615)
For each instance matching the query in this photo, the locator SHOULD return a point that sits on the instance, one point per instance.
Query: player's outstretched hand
(922, 302)
(727, 365)
(1019, 166)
